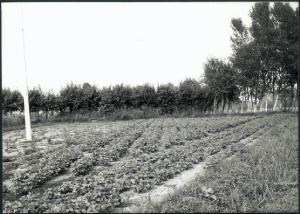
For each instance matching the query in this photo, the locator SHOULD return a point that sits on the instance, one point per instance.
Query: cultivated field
(87, 167)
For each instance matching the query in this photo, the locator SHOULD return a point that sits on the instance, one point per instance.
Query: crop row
(149, 141)
(54, 161)
(182, 157)
(47, 167)
(214, 125)
(100, 192)
(159, 166)
(111, 152)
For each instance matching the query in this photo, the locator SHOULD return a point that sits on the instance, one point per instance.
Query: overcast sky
(110, 43)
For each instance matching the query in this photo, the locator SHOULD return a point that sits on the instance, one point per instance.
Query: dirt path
(159, 193)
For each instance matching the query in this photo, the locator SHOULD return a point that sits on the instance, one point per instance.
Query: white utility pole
(26, 102)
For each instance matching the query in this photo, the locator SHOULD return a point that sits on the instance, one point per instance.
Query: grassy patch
(261, 178)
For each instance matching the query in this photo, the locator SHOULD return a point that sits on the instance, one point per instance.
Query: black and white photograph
(150, 107)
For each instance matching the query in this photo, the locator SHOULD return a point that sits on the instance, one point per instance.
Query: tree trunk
(273, 95)
(222, 103)
(228, 105)
(248, 107)
(273, 87)
(267, 102)
(242, 106)
(292, 96)
(90, 117)
(297, 97)
(275, 104)
(215, 103)
(297, 90)
(247, 94)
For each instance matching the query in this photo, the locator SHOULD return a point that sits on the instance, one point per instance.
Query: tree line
(86, 97)
(264, 62)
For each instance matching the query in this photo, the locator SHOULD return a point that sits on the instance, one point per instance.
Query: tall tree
(221, 78)
(246, 60)
(189, 92)
(264, 36)
(286, 21)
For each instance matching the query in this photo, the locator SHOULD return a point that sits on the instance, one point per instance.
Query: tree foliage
(265, 53)
(167, 97)
(222, 80)
(36, 98)
(12, 100)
